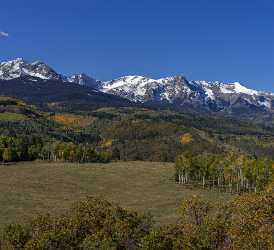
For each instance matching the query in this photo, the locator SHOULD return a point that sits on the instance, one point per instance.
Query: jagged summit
(176, 91)
(19, 67)
(84, 80)
(142, 89)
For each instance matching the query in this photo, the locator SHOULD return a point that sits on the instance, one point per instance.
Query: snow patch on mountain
(266, 103)
(175, 90)
(19, 68)
(236, 87)
(142, 89)
(84, 80)
(178, 89)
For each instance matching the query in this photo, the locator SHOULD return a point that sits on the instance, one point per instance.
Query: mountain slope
(40, 83)
(19, 68)
(178, 91)
(12, 109)
(55, 95)
(135, 133)
(84, 80)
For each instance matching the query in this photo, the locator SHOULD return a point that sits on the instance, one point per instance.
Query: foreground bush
(245, 223)
(90, 224)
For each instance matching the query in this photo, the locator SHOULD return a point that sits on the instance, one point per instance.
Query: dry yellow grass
(28, 189)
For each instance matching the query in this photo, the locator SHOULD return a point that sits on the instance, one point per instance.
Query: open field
(7, 116)
(30, 188)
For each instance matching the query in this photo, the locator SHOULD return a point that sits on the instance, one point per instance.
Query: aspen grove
(231, 172)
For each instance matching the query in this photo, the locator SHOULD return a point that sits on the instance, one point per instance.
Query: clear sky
(227, 40)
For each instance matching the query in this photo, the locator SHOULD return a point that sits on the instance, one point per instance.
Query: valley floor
(32, 188)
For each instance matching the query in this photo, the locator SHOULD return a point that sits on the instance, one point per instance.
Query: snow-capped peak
(19, 67)
(228, 88)
(127, 81)
(84, 80)
(175, 90)
(236, 87)
(142, 89)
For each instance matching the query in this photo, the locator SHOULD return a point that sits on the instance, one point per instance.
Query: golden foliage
(107, 143)
(186, 138)
(252, 222)
(72, 120)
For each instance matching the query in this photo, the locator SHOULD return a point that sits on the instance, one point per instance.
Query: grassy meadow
(32, 188)
(7, 116)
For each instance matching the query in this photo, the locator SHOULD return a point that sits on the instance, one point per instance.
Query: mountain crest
(84, 80)
(21, 68)
(176, 90)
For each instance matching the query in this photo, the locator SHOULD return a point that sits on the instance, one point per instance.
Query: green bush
(245, 223)
(9, 155)
(91, 224)
(15, 237)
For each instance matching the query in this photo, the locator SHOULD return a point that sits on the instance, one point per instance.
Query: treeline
(31, 148)
(233, 172)
(46, 130)
(245, 223)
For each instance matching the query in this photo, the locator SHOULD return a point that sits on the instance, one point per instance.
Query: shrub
(91, 224)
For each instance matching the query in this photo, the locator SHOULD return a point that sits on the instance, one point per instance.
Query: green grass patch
(29, 189)
(7, 116)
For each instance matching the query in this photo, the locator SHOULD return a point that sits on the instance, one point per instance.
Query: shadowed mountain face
(57, 95)
(39, 83)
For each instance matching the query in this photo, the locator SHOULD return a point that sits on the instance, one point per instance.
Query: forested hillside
(128, 133)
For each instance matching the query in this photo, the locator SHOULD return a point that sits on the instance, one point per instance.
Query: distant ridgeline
(40, 84)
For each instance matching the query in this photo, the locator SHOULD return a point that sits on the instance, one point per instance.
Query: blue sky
(227, 40)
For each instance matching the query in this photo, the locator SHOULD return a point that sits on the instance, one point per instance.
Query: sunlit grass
(28, 189)
(8, 116)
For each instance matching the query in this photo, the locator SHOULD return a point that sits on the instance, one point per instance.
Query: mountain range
(38, 81)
